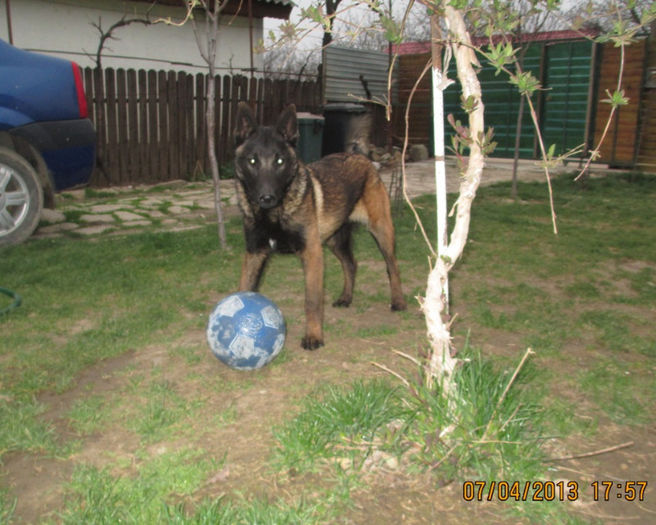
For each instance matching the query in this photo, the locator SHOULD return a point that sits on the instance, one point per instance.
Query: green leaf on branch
(469, 104)
(316, 15)
(552, 152)
(526, 83)
(259, 47)
(393, 30)
(501, 55)
(288, 30)
(616, 99)
(486, 143)
(461, 140)
(461, 131)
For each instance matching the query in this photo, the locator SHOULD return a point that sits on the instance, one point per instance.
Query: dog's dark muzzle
(267, 201)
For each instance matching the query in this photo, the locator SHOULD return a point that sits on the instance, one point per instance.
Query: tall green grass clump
(489, 427)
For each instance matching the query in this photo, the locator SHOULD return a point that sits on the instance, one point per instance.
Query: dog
(294, 208)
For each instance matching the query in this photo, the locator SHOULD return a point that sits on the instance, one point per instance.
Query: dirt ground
(389, 497)
(386, 497)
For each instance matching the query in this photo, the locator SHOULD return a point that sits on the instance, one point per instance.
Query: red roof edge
(416, 48)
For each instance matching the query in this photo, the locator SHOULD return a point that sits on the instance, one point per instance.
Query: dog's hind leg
(341, 244)
(384, 236)
(379, 222)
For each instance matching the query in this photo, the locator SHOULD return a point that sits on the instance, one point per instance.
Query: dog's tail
(358, 134)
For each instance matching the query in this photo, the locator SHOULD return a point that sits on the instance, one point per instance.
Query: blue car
(47, 142)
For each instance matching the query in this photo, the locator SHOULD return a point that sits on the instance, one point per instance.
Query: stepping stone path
(171, 206)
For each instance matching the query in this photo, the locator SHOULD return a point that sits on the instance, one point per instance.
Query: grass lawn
(113, 409)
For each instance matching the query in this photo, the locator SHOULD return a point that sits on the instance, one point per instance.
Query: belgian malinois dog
(293, 208)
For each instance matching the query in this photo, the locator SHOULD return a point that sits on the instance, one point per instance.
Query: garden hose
(17, 300)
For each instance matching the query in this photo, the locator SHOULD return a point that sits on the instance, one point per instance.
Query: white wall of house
(64, 28)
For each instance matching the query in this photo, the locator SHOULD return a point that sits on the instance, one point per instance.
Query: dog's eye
(280, 161)
(251, 161)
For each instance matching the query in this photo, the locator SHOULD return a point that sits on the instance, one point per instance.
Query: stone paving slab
(105, 208)
(93, 230)
(127, 216)
(103, 218)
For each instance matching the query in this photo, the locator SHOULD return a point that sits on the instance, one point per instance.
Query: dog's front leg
(312, 257)
(251, 270)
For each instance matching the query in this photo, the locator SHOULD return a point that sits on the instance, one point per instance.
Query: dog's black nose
(267, 201)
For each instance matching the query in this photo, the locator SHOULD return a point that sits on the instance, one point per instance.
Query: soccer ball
(246, 330)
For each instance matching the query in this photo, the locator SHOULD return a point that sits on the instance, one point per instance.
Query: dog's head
(265, 156)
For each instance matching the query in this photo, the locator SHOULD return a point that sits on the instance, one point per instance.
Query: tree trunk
(518, 137)
(207, 48)
(442, 362)
(331, 11)
(210, 117)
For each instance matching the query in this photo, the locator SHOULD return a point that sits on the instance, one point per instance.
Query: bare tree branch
(109, 34)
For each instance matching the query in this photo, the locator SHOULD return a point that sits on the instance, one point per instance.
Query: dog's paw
(398, 306)
(342, 303)
(311, 343)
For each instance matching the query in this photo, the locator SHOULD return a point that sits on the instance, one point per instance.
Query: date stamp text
(537, 490)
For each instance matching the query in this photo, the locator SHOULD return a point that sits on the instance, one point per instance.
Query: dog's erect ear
(246, 124)
(287, 125)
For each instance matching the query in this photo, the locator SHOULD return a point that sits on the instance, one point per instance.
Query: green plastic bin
(310, 140)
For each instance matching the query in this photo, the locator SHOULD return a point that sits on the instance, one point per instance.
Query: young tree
(206, 38)
(441, 360)
(207, 34)
(528, 19)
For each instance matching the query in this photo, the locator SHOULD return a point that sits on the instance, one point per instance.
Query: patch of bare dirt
(618, 455)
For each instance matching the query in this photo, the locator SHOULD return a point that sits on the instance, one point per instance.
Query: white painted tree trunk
(442, 361)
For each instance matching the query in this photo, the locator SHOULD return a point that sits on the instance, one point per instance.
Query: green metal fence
(567, 78)
(563, 69)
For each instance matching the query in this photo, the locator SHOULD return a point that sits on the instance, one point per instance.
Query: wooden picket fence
(151, 124)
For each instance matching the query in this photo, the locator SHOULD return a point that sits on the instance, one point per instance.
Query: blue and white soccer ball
(246, 330)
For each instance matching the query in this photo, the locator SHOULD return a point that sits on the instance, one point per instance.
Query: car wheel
(21, 198)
